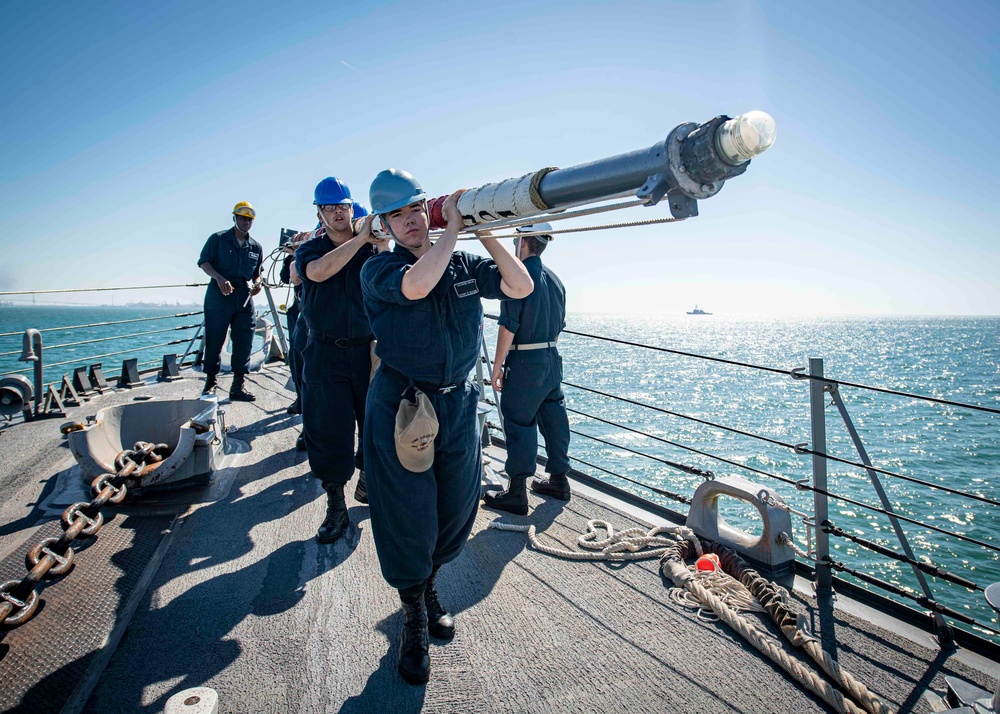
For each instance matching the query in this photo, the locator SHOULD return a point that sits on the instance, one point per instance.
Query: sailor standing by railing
(527, 371)
(231, 258)
(425, 306)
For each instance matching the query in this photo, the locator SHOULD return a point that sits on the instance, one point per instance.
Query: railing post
(943, 630)
(824, 574)
(485, 359)
(277, 322)
(190, 347)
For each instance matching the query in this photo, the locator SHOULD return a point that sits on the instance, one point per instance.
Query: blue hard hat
(331, 191)
(359, 210)
(393, 189)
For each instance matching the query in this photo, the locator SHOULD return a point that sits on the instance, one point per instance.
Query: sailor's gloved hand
(255, 288)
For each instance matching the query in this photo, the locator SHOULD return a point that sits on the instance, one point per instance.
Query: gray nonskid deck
(248, 603)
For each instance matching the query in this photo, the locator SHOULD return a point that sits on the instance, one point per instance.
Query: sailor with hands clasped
(232, 259)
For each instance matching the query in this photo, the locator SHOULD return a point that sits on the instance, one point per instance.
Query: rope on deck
(629, 544)
(672, 545)
(791, 625)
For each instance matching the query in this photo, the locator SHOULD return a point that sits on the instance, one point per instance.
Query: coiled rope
(792, 626)
(732, 592)
(629, 544)
(675, 544)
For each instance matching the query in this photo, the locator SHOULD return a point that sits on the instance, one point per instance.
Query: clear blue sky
(129, 130)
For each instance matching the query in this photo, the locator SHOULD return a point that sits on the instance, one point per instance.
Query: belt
(534, 346)
(424, 387)
(342, 342)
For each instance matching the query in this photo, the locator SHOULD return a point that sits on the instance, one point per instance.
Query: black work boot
(555, 485)
(336, 520)
(360, 491)
(210, 384)
(414, 656)
(513, 500)
(440, 623)
(238, 392)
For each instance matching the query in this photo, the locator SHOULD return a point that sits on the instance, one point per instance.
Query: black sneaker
(210, 385)
(300, 443)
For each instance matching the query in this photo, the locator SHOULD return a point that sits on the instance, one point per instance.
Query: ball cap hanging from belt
(541, 228)
(416, 429)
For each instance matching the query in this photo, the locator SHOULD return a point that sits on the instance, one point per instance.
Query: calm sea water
(951, 358)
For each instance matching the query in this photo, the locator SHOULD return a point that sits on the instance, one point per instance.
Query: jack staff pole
(693, 163)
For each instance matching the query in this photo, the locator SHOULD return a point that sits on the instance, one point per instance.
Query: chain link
(53, 557)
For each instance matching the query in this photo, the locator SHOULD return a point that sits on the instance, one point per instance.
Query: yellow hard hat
(243, 208)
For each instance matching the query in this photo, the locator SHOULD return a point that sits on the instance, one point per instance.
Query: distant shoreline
(129, 306)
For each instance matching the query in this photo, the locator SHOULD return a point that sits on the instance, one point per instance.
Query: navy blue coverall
(336, 363)
(422, 520)
(532, 392)
(237, 264)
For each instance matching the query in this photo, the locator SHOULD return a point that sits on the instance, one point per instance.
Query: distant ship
(698, 311)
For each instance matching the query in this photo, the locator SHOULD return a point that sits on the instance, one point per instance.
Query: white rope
(467, 205)
(482, 211)
(718, 593)
(486, 205)
(798, 551)
(726, 588)
(523, 205)
(679, 574)
(630, 544)
(503, 198)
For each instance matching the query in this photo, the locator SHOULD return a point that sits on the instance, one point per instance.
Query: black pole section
(686, 165)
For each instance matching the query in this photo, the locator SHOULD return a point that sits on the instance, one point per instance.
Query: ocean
(952, 358)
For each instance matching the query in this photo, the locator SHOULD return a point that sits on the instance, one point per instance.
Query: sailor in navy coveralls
(232, 259)
(527, 371)
(424, 304)
(336, 361)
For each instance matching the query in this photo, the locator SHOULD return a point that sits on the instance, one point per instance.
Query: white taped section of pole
(197, 700)
(511, 198)
(523, 205)
(482, 210)
(503, 197)
(466, 203)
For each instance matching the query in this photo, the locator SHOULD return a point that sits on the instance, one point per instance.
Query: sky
(129, 130)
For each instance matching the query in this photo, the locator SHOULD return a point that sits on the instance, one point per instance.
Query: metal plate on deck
(43, 661)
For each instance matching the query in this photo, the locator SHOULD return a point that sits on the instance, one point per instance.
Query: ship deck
(226, 587)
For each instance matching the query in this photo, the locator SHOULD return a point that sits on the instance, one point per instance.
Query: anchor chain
(53, 557)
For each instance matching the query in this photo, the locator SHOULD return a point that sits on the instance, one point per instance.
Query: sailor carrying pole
(692, 163)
